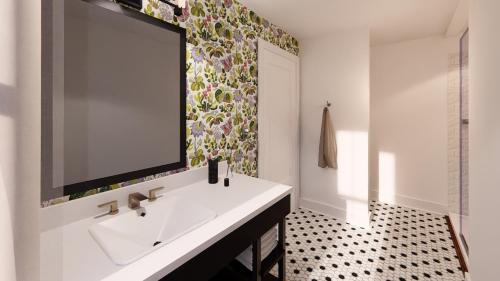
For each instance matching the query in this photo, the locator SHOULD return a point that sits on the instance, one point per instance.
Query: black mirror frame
(48, 191)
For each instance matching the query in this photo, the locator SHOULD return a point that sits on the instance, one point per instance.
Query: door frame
(264, 46)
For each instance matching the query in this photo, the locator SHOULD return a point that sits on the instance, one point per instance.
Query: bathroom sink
(127, 237)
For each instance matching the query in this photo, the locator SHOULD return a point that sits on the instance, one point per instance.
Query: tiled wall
(454, 134)
(222, 81)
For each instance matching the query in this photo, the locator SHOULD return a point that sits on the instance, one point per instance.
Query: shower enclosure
(464, 139)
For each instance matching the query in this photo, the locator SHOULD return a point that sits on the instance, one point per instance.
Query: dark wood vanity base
(217, 261)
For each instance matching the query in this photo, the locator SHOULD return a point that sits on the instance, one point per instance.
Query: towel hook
(328, 104)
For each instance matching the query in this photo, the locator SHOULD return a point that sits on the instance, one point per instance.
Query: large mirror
(114, 103)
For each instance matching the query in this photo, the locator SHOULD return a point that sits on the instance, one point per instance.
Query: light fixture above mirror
(177, 5)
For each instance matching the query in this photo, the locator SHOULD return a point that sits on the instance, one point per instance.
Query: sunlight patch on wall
(353, 164)
(353, 175)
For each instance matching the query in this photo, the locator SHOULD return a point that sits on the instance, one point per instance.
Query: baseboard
(455, 221)
(414, 203)
(456, 243)
(322, 208)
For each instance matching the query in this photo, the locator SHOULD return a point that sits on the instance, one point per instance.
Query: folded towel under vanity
(268, 242)
(327, 156)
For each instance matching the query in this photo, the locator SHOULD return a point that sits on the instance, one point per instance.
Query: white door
(278, 116)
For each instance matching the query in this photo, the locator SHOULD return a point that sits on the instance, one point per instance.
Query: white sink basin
(126, 238)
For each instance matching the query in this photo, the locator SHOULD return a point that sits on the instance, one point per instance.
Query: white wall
(20, 139)
(8, 112)
(408, 141)
(335, 67)
(484, 139)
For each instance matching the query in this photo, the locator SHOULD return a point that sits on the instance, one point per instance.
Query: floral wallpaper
(222, 82)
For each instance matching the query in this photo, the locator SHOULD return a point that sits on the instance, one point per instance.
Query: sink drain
(156, 243)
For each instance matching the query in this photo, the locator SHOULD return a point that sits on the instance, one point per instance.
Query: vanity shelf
(274, 257)
(235, 271)
(217, 262)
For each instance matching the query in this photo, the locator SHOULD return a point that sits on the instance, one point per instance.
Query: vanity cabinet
(217, 263)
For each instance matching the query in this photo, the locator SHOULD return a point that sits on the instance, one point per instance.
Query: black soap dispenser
(213, 171)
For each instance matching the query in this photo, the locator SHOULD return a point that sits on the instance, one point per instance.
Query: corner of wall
(335, 68)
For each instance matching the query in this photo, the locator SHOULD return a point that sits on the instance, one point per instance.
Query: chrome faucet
(134, 200)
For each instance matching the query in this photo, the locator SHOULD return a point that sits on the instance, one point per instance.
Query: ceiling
(389, 20)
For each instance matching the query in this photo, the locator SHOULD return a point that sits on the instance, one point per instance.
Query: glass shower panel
(464, 139)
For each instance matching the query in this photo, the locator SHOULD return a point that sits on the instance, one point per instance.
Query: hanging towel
(327, 144)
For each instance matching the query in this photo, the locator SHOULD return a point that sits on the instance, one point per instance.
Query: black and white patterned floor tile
(400, 244)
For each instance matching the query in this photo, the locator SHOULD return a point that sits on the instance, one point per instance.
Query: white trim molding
(400, 200)
(415, 203)
(323, 208)
(455, 223)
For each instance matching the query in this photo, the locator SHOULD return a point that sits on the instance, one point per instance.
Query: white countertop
(68, 252)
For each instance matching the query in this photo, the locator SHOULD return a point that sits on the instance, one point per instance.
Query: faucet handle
(152, 193)
(113, 207)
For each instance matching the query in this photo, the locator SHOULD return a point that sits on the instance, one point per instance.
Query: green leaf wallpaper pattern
(222, 81)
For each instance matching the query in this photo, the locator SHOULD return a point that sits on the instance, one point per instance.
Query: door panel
(278, 116)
